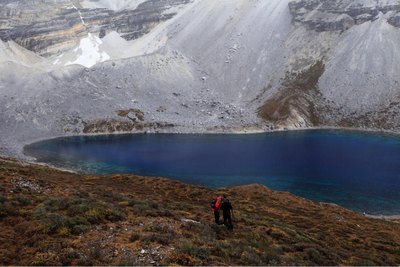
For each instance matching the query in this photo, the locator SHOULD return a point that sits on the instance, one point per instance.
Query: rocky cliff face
(62, 23)
(328, 15)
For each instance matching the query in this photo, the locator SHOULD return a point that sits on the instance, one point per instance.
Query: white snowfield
(87, 54)
(209, 68)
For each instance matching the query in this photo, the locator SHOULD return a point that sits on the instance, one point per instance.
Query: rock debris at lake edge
(130, 220)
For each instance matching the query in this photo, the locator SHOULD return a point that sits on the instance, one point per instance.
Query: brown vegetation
(122, 125)
(297, 94)
(49, 217)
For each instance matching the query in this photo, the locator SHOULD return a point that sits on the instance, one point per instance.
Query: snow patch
(89, 52)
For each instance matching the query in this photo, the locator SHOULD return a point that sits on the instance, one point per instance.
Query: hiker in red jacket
(216, 207)
(222, 203)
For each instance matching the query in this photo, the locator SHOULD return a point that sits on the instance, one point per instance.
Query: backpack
(217, 202)
(212, 204)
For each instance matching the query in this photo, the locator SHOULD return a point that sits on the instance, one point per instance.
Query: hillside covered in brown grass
(50, 217)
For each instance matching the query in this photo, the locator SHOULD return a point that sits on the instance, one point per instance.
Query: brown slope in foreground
(49, 217)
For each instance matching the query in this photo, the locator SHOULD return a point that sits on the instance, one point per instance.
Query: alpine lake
(357, 170)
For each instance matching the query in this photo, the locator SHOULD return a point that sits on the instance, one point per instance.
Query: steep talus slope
(363, 71)
(196, 66)
(356, 44)
(239, 45)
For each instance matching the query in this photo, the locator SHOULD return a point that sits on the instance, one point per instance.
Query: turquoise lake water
(357, 170)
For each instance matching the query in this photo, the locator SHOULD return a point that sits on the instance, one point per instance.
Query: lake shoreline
(394, 217)
(248, 131)
(375, 214)
(14, 149)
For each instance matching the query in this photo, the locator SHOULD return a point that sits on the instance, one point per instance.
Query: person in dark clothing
(227, 212)
(216, 216)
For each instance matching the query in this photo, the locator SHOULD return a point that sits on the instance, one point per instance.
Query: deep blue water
(360, 171)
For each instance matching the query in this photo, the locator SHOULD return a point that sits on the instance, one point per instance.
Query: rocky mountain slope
(72, 67)
(63, 23)
(46, 219)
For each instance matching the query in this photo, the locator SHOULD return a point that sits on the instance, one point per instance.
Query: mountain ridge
(209, 66)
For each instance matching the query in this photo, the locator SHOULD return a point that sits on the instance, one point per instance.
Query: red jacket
(218, 202)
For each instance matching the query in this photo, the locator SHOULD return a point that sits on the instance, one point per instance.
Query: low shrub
(188, 247)
(130, 261)
(149, 208)
(54, 204)
(124, 203)
(7, 209)
(22, 200)
(206, 232)
(91, 256)
(79, 229)
(312, 254)
(317, 257)
(64, 231)
(162, 239)
(364, 262)
(180, 206)
(157, 227)
(221, 248)
(277, 234)
(270, 256)
(134, 237)
(250, 257)
(45, 259)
